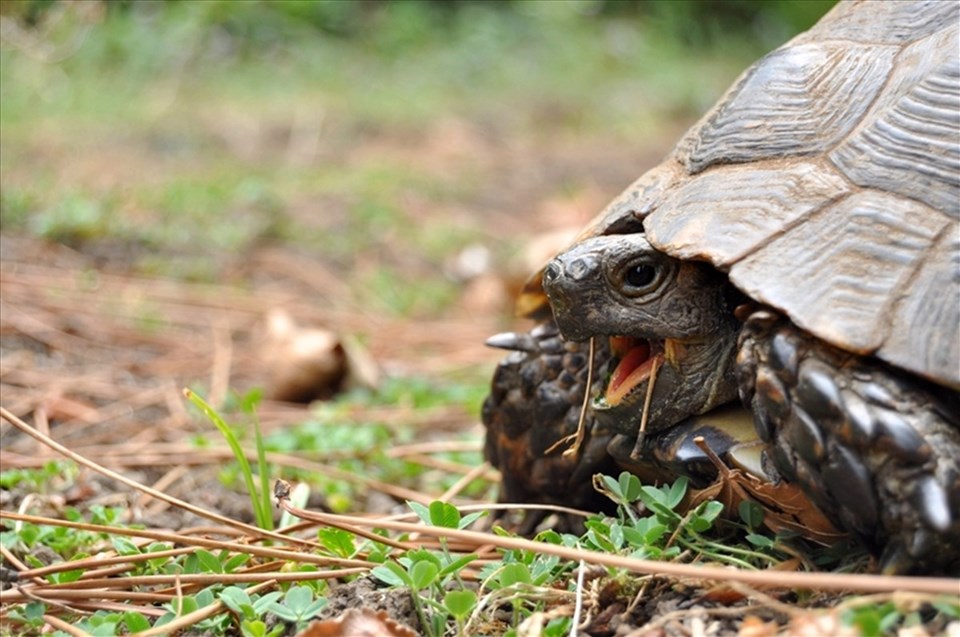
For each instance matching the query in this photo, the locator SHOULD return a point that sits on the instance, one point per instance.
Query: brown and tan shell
(826, 183)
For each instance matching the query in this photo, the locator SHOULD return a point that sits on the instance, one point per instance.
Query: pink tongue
(633, 360)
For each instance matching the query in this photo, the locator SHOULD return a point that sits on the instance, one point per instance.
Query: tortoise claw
(535, 401)
(514, 342)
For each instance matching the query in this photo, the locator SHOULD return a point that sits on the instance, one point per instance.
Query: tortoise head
(662, 315)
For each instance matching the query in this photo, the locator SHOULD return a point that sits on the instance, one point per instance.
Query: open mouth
(637, 360)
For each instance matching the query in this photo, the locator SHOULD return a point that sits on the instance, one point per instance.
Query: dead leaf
(724, 595)
(308, 363)
(363, 622)
(786, 506)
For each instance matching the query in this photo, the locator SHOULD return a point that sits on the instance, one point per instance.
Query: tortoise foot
(877, 451)
(535, 402)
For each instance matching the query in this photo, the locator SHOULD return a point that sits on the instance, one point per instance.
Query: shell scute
(838, 273)
(925, 325)
(910, 141)
(799, 100)
(747, 206)
(892, 22)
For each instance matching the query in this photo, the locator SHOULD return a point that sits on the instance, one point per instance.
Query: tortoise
(798, 250)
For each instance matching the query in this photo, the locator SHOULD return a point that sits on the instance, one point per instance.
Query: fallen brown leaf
(362, 622)
(786, 507)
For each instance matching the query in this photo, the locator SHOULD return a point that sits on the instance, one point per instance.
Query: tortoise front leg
(535, 401)
(877, 451)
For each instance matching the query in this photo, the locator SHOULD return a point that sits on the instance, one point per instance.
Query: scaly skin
(877, 450)
(535, 401)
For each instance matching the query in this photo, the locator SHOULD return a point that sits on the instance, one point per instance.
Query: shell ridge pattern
(789, 226)
(748, 206)
(909, 142)
(798, 100)
(891, 22)
(932, 308)
(895, 300)
(870, 244)
(868, 109)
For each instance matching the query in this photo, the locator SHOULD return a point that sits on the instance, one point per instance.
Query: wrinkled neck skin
(662, 313)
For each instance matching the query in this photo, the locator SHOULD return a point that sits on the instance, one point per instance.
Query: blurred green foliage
(259, 23)
(195, 128)
(439, 49)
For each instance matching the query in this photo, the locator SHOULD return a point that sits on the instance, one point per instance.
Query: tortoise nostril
(552, 272)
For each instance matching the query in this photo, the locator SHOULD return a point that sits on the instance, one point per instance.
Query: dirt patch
(367, 592)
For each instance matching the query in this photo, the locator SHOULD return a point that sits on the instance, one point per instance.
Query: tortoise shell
(826, 183)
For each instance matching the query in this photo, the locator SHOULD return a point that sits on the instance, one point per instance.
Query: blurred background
(379, 138)
(172, 172)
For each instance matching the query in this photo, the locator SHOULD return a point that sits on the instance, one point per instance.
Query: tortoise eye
(640, 275)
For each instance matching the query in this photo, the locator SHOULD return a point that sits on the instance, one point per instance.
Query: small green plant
(519, 572)
(875, 620)
(338, 542)
(190, 603)
(249, 610)
(666, 533)
(444, 514)
(351, 443)
(77, 218)
(259, 497)
(559, 627)
(537, 569)
(460, 604)
(299, 606)
(39, 480)
(107, 624)
(29, 615)
(887, 618)
(150, 566)
(68, 543)
(430, 574)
